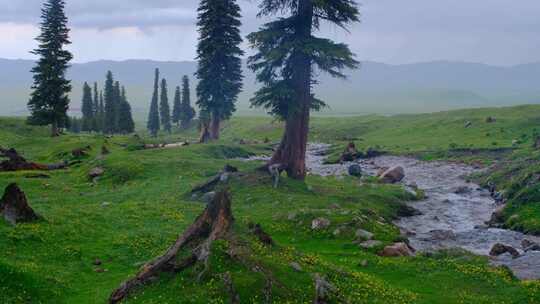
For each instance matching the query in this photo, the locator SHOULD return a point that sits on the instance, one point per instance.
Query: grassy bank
(138, 208)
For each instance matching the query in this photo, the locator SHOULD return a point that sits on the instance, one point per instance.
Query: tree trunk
(214, 127)
(205, 135)
(54, 129)
(291, 154)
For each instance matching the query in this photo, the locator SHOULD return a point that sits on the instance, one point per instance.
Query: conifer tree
(219, 64)
(288, 53)
(109, 120)
(153, 116)
(117, 105)
(95, 110)
(101, 121)
(87, 109)
(187, 113)
(164, 109)
(49, 99)
(126, 123)
(177, 104)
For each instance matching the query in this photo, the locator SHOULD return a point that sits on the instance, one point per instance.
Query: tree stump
(14, 206)
(213, 224)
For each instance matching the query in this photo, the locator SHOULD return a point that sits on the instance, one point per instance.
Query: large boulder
(397, 250)
(355, 170)
(499, 249)
(393, 175)
(14, 206)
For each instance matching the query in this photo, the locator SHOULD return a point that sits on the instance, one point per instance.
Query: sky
(496, 32)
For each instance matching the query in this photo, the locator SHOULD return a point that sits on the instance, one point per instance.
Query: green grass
(139, 207)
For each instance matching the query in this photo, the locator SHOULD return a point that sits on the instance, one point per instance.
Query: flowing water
(454, 211)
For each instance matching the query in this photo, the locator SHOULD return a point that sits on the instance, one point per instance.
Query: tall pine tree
(87, 109)
(101, 121)
(49, 99)
(95, 109)
(153, 116)
(187, 113)
(219, 64)
(117, 104)
(177, 104)
(109, 120)
(164, 108)
(288, 53)
(126, 124)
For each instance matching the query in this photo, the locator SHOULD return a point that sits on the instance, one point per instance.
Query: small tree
(153, 115)
(87, 109)
(164, 108)
(110, 105)
(287, 53)
(49, 99)
(126, 123)
(219, 64)
(187, 113)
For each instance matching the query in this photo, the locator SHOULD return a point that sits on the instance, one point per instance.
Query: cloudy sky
(499, 32)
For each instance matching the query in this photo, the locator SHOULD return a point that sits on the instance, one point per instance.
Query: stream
(454, 211)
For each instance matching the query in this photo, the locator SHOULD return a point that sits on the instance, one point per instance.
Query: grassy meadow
(137, 209)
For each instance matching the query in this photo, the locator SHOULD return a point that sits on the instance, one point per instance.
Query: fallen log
(14, 206)
(15, 162)
(213, 224)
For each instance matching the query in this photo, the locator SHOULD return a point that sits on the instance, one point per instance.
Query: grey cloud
(395, 31)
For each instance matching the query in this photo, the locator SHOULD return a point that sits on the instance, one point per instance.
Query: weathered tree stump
(213, 224)
(14, 206)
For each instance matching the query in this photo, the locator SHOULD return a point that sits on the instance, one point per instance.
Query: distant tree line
(106, 111)
(160, 116)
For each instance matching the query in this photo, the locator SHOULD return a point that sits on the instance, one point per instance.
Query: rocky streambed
(453, 214)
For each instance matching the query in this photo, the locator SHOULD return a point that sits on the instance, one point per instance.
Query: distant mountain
(374, 88)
